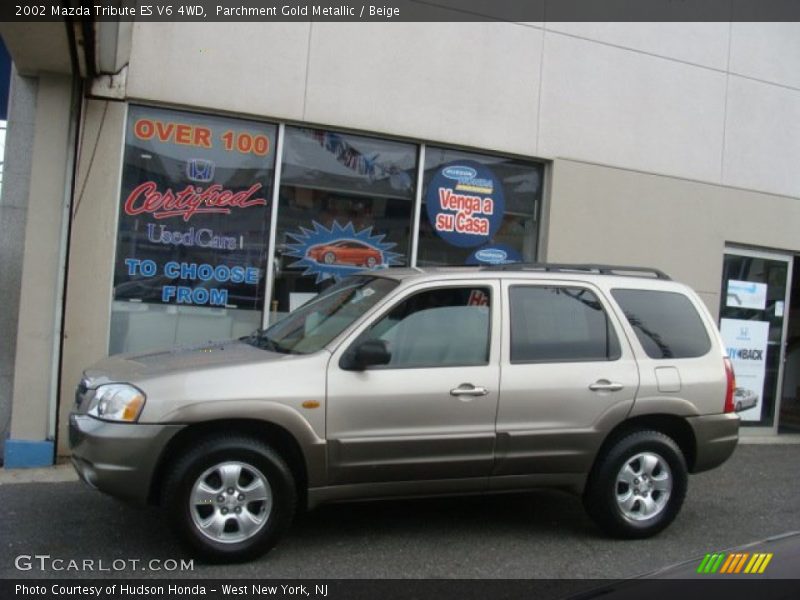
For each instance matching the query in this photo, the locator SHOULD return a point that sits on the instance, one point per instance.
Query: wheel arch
(277, 436)
(673, 426)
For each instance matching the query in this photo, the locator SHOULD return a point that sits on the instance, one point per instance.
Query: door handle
(604, 385)
(467, 389)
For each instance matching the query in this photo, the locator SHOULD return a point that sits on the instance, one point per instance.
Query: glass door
(753, 316)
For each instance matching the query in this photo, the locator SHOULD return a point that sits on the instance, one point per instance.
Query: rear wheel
(638, 485)
(230, 498)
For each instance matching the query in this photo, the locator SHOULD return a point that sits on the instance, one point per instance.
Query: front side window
(444, 327)
(559, 324)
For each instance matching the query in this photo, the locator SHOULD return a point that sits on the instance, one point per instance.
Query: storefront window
(346, 204)
(195, 214)
(478, 209)
(193, 229)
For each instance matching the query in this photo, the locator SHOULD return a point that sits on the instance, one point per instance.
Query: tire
(197, 490)
(738, 407)
(371, 262)
(329, 258)
(624, 503)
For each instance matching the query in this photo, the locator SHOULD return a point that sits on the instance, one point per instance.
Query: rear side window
(666, 323)
(559, 324)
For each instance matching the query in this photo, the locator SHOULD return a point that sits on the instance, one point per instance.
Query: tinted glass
(666, 323)
(437, 328)
(559, 324)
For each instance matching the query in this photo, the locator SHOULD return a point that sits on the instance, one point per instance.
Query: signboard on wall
(194, 208)
(465, 203)
(746, 346)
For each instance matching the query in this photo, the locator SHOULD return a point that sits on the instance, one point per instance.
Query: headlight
(117, 402)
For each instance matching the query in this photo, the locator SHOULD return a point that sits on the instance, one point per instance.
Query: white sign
(746, 346)
(746, 294)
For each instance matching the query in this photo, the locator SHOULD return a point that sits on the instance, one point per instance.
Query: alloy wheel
(230, 502)
(643, 486)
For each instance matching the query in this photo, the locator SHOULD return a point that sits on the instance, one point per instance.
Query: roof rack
(579, 268)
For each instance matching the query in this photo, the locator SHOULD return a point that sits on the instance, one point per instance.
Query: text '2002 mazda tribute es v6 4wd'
(607, 381)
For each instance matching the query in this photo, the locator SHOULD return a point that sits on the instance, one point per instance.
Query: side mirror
(366, 354)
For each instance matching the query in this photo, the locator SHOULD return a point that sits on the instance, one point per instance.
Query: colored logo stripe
(740, 563)
(734, 563)
(711, 562)
(758, 563)
(726, 567)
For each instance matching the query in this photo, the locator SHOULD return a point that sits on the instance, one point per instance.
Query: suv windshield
(312, 326)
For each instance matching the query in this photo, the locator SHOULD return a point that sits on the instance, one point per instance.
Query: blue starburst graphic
(339, 251)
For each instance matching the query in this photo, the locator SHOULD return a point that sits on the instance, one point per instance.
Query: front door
(753, 310)
(430, 412)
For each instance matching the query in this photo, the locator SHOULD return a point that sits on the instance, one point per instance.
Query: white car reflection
(744, 399)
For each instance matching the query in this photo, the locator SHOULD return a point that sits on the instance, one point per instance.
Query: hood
(132, 368)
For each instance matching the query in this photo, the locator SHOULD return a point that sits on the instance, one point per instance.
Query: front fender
(286, 417)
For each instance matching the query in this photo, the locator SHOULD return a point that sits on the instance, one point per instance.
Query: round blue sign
(465, 203)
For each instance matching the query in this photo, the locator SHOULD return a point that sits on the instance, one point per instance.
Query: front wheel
(230, 498)
(638, 485)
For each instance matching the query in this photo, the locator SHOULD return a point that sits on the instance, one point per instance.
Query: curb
(55, 474)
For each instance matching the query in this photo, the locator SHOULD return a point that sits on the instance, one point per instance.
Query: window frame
(607, 311)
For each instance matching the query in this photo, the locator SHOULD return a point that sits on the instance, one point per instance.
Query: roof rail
(579, 268)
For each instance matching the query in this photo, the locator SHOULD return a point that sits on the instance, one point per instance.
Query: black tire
(186, 471)
(600, 496)
(329, 258)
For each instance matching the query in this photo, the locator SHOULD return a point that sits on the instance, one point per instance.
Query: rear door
(568, 375)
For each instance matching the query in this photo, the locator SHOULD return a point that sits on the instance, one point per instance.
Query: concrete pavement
(533, 535)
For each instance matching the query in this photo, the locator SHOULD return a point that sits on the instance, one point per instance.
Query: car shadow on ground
(544, 511)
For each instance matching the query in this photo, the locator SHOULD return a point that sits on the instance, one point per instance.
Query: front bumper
(716, 437)
(118, 458)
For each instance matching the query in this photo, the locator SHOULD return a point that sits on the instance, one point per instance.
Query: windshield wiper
(260, 340)
(252, 336)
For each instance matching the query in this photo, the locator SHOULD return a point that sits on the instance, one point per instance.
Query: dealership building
(175, 183)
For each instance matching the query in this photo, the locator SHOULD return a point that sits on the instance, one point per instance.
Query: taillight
(731, 378)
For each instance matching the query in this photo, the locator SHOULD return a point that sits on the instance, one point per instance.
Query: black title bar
(732, 588)
(532, 11)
